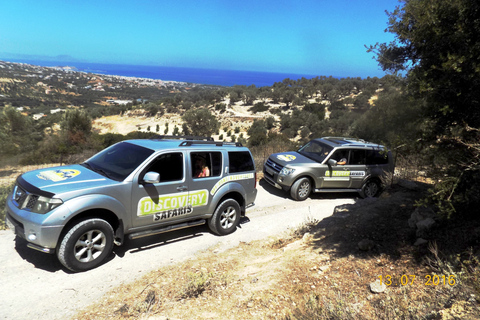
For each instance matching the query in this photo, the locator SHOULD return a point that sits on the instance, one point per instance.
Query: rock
(366, 245)
(423, 226)
(420, 213)
(420, 241)
(377, 286)
(323, 268)
(307, 237)
(407, 184)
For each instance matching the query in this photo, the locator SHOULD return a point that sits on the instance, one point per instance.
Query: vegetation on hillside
(295, 110)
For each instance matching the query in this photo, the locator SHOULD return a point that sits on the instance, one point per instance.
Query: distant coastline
(191, 75)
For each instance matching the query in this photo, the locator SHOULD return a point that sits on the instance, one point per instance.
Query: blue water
(191, 75)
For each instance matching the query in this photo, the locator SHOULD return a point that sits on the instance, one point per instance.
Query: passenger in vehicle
(201, 168)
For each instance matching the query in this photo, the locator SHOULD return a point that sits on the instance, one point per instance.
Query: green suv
(135, 188)
(330, 164)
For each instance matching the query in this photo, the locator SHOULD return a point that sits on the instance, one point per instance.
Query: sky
(314, 37)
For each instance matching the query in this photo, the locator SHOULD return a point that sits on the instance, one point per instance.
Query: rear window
(357, 157)
(377, 156)
(240, 161)
(211, 160)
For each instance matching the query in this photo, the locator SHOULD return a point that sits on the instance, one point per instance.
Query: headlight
(286, 171)
(44, 205)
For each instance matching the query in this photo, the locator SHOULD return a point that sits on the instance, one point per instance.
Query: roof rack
(189, 143)
(200, 138)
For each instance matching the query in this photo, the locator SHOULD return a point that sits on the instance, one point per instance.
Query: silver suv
(330, 164)
(135, 187)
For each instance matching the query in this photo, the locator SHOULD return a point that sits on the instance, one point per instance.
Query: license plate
(269, 171)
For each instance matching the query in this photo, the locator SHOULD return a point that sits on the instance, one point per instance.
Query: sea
(191, 75)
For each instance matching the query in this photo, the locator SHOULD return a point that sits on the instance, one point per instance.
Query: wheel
(301, 189)
(370, 189)
(86, 245)
(226, 217)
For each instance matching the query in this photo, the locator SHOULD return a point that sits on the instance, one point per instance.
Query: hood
(291, 158)
(62, 179)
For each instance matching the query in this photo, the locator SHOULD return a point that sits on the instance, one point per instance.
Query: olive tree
(200, 122)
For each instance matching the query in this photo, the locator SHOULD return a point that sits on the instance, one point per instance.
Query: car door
(349, 172)
(357, 167)
(338, 176)
(205, 170)
(165, 201)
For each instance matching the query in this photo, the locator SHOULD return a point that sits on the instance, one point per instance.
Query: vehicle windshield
(118, 161)
(315, 150)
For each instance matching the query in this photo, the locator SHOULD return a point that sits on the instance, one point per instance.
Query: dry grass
(9, 173)
(315, 272)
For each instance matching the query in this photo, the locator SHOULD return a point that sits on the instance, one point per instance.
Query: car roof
(161, 143)
(335, 142)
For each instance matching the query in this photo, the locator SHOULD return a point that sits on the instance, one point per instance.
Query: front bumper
(271, 180)
(273, 177)
(29, 226)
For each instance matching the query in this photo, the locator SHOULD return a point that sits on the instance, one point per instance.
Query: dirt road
(35, 286)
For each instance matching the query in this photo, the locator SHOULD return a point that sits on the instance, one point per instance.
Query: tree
(437, 44)
(78, 126)
(257, 133)
(17, 132)
(438, 48)
(200, 122)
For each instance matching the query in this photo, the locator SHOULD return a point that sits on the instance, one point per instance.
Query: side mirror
(151, 177)
(332, 162)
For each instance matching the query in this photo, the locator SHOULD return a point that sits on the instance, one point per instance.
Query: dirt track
(35, 286)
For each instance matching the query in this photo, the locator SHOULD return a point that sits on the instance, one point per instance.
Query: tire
(301, 189)
(226, 218)
(86, 245)
(371, 189)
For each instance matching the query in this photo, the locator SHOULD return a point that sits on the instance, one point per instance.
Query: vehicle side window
(340, 155)
(169, 166)
(357, 157)
(240, 161)
(206, 164)
(377, 156)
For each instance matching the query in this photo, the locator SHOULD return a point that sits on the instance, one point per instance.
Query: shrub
(4, 190)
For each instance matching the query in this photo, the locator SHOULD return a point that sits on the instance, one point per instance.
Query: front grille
(273, 165)
(32, 199)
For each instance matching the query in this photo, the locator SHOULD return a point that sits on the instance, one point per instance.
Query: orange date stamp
(410, 279)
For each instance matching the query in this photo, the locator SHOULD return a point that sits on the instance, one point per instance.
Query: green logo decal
(337, 174)
(173, 202)
(236, 177)
(345, 173)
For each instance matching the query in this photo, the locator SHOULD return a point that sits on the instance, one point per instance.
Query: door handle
(182, 188)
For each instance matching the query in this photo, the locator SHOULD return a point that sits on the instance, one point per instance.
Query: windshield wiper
(101, 171)
(86, 164)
